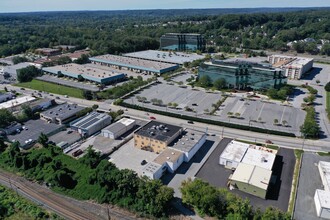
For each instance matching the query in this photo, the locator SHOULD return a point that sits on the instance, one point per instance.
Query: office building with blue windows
(182, 42)
(243, 75)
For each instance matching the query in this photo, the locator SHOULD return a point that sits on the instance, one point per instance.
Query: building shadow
(197, 158)
(312, 74)
(275, 186)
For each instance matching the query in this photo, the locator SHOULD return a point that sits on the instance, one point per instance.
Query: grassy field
(52, 88)
(328, 104)
(298, 155)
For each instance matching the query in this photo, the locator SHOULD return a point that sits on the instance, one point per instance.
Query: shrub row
(208, 121)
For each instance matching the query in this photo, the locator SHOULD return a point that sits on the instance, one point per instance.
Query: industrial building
(293, 67)
(61, 114)
(238, 152)
(243, 75)
(251, 179)
(322, 197)
(233, 154)
(170, 158)
(182, 42)
(92, 74)
(41, 105)
(117, 129)
(322, 203)
(6, 97)
(91, 123)
(13, 104)
(155, 136)
(134, 64)
(165, 56)
(189, 142)
(48, 51)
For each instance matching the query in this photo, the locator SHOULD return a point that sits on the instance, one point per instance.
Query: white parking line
(262, 107)
(282, 114)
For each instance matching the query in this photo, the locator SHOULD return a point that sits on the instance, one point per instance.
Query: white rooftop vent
(168, 158)
(182, 143)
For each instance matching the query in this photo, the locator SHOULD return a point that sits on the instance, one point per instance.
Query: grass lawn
(52, 88)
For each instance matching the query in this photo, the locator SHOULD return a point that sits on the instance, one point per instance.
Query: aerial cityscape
(157, 111)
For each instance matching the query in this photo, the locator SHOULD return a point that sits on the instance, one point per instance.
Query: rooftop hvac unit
(173, 153)
(168, 158)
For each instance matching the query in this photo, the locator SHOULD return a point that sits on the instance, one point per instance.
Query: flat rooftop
(235, 63)
(16, 102)
(84, 70)
(158, 131)
(325, 168)
(151, 167)
(119, 125)
(187, 140)
(235, 151)
(163, 56)
(324, 198)
(259, 158)
(168, 155)
(62, 111)
(253, 175)
(134, 63)
(90, 120)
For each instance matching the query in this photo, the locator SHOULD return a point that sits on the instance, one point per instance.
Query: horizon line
(164, 9)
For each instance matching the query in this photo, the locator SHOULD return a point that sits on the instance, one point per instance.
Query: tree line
(89, 178)
(121, 32)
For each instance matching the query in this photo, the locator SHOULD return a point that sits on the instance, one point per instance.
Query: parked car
(77, 153)
(143, 162)
(269, 142)
(69, 131)
(190, 122)
(152, 118)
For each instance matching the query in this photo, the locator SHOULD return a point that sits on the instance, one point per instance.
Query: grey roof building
(61, 114)
(117, 129)
(91, 123)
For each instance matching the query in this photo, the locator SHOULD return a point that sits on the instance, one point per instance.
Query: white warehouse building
(233, 154)
(189, 142)
(117, 129)
(91, 123)
(322, 197)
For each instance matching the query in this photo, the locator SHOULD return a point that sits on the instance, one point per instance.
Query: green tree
(6, 117)
(43, 140)
(81, 78)
(28, 73)
(204, 81)
(327, 87)
(83, 59)
(220, 83)
(91, 158)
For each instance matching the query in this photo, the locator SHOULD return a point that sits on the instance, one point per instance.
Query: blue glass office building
(182, 42)
(243, 75)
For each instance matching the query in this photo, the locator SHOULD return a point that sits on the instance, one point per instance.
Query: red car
(269, 142)
(152, 118)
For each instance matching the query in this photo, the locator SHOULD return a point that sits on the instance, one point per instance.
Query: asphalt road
(285, 142)
(61, 205)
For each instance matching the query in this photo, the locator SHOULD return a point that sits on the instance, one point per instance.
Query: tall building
(243, 75)
(182, 42)
(294, 67)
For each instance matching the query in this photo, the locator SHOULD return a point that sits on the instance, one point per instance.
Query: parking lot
(69, 82)
(183, 77)
(69, 137)
(130, 157)
(175, 94)
(309, 181)
(259, 113)
(278, 195)
(254, 112)
(34, 129)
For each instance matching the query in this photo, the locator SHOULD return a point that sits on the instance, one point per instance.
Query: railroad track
(54, 202)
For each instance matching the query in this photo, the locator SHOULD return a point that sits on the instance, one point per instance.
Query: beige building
(251, 179)
(294, 67)
(155, 136)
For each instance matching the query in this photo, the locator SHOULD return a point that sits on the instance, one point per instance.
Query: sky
(76, 5)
